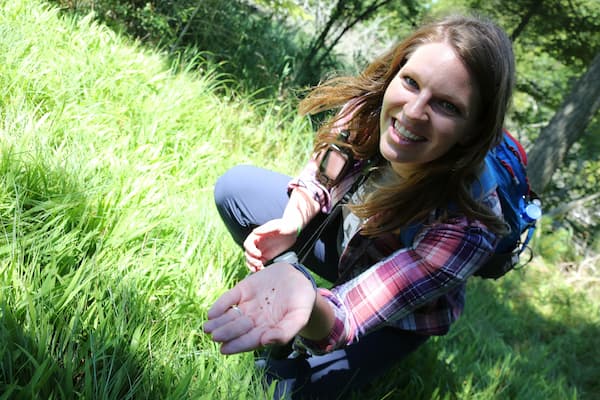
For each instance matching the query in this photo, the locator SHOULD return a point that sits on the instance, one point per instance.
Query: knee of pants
(225, 187)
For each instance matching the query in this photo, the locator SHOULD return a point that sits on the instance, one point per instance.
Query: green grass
(111, 250)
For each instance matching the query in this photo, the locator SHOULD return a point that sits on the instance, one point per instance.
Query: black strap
(310, 242)
(333, 214)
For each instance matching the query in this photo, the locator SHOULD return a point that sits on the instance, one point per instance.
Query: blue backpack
(505, 168)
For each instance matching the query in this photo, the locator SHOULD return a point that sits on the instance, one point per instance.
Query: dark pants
(247, 197)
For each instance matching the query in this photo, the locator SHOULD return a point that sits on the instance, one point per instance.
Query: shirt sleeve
(307, 180)
(327, 198)
(442, 257)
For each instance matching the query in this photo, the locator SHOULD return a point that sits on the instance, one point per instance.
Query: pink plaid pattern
(420, 287)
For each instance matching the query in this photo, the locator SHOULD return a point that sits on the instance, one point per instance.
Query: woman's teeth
(405, 133)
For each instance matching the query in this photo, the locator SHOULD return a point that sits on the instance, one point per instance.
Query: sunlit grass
(111, 250)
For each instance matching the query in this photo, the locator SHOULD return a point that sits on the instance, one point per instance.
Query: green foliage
(256, 46)
(111, 250)
(555, 242)
(526, 336)
(354, 16)
(107, 161)
(285, 7)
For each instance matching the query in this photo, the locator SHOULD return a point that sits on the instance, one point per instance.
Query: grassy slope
(111, 250)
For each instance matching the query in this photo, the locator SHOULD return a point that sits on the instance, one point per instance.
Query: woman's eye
(449, 108)
(410, 82)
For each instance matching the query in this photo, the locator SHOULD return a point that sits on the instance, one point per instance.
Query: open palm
(274, 304)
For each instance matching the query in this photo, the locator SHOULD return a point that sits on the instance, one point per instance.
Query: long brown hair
(487, 53)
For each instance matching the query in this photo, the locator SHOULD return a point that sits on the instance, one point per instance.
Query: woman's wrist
(321, 321)
(301, 268)
(301, 209)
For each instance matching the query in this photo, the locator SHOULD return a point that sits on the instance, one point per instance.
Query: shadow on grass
(45, 362)
(553, 331)
(58, 325)
(505, 346)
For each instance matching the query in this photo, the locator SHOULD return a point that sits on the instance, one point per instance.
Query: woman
(420, 120)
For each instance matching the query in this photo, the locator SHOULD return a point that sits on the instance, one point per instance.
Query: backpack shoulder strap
(408, 234)
(485, 183)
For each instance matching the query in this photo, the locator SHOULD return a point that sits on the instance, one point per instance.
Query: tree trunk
(567, 125)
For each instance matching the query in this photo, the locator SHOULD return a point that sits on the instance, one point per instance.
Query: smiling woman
(413, 129)
(425, 113)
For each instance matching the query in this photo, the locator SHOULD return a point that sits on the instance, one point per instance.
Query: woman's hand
(271, 307)
(268, 241)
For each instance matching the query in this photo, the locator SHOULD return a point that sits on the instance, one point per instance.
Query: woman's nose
(415, 108)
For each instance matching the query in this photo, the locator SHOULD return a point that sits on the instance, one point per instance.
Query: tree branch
(565, 208)
(365, 14)
(525, 20)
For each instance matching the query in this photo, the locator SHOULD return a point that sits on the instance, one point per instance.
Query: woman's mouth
(405, 134)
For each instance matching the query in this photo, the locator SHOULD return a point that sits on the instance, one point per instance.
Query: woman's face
(429, 106)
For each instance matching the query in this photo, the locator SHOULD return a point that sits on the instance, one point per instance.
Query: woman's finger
(214, 323)
(267, 228)
(249, 341)
(255, 264)
(250, 245)
(224, 302)
(233, 330)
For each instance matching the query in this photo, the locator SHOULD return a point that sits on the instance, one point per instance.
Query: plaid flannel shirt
(418, 287)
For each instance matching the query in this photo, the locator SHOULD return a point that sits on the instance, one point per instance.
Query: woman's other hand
(269, 307)
(268, 241)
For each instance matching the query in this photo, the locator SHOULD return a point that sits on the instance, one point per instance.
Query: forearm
(300, 209)
(320, 322)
